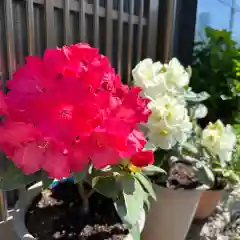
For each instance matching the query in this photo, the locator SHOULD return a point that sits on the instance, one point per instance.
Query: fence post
(170, 29)
(3, 206)
(152, 28)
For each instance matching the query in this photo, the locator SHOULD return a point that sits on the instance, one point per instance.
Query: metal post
(232, 15)
(3, 206)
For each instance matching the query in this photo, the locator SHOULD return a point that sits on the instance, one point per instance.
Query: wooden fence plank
(11, 54)
(82, 19)
(130, 41)
(18, 33)
(96, 23)
(109, 29)
(30, 28)
(66, 22)
(49, 23)
(152, 28)
(140, 30)
(120, 37)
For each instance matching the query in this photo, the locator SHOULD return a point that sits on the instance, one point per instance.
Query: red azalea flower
(142, 159)
(69, 108)
(3, 106)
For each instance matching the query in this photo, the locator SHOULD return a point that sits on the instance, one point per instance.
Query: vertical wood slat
(130, 40)
(140, 30)
(3, 206)
(37, 32)
(96, 23)
(49, 23)
(17, 13)
(152, 28)
(82, 18)
(30, 28)
(109, 29)
(10, 37)
(66, 22)
(120, 37)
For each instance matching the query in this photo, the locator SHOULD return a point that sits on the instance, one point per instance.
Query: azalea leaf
(12, 178)
(46, 181)
(134, 196)
(78, 177)
(121, 209)
(107, 186)
(135, 232)
(146, 184)
(151, 170)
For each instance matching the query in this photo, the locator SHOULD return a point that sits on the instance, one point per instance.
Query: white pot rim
(25, 199)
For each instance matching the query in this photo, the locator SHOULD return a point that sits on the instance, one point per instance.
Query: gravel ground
(224, 224)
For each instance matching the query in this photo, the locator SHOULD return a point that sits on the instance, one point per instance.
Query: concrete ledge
(6, 230)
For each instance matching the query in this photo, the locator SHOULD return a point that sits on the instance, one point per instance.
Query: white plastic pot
(25, 200)
(171, 216)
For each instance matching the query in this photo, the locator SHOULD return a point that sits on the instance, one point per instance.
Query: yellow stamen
(164, 132)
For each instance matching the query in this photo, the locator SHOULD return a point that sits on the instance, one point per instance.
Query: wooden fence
(124, 30)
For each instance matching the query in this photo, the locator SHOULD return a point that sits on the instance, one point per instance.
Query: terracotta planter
(207, 204)
(171, 216)
(25, 200)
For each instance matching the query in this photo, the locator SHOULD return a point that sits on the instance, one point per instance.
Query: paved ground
(224, 224)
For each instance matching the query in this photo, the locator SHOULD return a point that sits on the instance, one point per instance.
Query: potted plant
(68, 115)
(189, 154)
(219, 147)
(174, 108)
(214, 70)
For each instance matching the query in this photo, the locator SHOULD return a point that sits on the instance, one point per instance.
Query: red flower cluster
(67, 109)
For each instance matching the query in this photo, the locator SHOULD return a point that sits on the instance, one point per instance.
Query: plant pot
(22, 205)
(170, 217)
(207, 204)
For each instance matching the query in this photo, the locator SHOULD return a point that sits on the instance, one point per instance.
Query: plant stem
(84, 196)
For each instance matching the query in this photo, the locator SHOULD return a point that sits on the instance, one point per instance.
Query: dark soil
(181, 175)
(58, 214)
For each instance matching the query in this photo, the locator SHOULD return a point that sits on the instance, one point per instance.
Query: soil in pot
(180, 175)
(58, 214)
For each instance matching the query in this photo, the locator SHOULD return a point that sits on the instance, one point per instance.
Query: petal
(79, 157)
(142, 159)
(29, 158)
(15, 133)
(56, 164)
(3, 106)
(105, 157)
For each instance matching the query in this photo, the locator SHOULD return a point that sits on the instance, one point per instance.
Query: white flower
(178, 74)
(200, 111)
(144, 74)
(157, 79)
(169, 122)
(220, 140)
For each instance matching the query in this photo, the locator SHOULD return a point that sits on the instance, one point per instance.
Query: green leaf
(107, 186)
(151, 170)
(190, 148)
(196, 97)
(12, 178)
(135, 232)
(78, 177)
(146, 184)
(204, 174)
(46, 180)
(134, 197)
